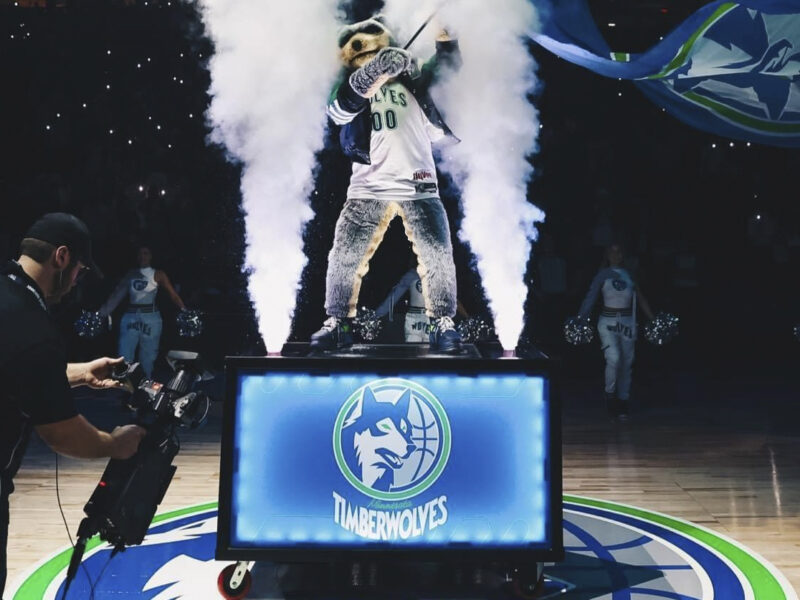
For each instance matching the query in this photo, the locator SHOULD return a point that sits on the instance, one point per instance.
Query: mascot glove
(392, 61)
(389, 62)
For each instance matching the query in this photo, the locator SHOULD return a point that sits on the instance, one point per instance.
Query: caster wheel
(224, 584)
(528, 589)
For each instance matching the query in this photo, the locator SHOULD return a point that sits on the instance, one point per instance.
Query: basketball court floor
(697, 496)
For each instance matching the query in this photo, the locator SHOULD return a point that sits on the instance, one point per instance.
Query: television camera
(125, 500)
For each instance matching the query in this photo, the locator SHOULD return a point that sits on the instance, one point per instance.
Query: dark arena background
(103, 115)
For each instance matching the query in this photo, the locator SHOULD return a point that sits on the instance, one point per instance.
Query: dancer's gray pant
(359, 231)
(618, 339)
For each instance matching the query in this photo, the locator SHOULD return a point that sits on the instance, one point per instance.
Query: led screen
(422, 461)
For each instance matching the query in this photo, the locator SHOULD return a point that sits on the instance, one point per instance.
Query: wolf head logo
(381, 439)
(391, 439)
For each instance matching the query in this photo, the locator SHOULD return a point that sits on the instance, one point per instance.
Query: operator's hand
(126, 440)
(97, 373)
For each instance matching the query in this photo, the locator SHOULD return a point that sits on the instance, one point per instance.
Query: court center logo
(391, 439)
(612, 550)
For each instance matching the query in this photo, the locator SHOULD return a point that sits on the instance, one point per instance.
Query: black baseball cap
(64, 229)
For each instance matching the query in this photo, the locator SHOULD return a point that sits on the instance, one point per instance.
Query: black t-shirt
(33, 380)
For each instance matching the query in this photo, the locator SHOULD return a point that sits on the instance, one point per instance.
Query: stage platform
(386, 351)
(492, 350)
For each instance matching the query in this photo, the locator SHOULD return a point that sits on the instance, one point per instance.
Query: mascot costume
(388, 124)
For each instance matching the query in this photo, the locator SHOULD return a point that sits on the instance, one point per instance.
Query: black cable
(69, 535)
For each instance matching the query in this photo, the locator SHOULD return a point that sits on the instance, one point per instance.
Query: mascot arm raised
(352, 95)
(447, 57)
(388, 63)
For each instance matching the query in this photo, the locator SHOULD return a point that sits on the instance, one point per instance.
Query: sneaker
(336, 333)
(443, 336)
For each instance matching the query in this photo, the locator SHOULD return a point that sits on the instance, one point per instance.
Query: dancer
(416, 321)
(141, 324)
(616, 326)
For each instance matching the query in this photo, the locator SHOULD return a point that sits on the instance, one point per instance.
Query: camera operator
(35, 376)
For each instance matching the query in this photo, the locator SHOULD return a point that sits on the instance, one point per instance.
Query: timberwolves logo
(391, 439)
(619, 284)
(612, 551)
(139, 284)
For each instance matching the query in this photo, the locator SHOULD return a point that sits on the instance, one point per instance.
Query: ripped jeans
(416, 327)
(142, 329)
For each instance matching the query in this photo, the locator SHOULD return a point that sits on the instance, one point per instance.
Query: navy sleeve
(40, 386)
(345, 104)
(448, 54)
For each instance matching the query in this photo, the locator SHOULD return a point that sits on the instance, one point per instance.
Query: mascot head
(360, 42)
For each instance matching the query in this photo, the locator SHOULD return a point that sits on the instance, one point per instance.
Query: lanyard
(30, 288)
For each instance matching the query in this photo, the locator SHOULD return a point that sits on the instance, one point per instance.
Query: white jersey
(143, 286)
(618, 290)
(400, 150)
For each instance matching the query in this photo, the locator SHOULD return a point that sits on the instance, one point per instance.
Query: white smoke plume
(486, 104)
(271, 74)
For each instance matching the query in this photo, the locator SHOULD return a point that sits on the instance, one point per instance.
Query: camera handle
(109, 492)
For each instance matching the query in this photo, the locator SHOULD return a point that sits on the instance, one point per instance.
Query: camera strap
(18, 280)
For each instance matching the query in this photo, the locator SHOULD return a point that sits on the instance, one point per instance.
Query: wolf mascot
(388, 123)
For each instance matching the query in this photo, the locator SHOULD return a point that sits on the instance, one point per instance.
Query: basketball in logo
(391, 439)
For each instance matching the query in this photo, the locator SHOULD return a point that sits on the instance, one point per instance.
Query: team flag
(732, 68)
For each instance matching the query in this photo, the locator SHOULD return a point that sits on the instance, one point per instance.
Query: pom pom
(475, 329)
(661, 329)
(578, 331)
(367, 325)
(796, 331)
(190, 323)
(89, 324)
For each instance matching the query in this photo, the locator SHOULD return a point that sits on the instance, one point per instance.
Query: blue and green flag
(732, 68)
